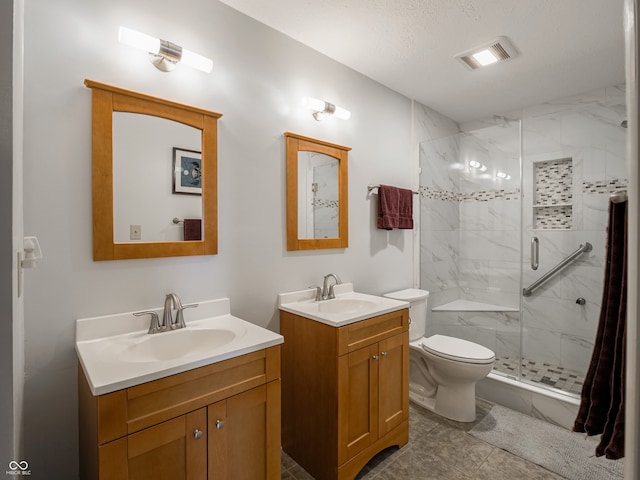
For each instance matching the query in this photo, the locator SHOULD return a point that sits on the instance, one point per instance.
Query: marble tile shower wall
(471, 228)
(440, 219)
(470, 238)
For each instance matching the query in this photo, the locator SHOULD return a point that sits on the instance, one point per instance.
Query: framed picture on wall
(187, 171)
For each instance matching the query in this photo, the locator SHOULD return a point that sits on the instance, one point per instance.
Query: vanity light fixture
(322, 109)
(164, 55)
(503, 175)
(497, 50)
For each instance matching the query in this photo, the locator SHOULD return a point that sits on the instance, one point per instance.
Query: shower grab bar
(583, 248)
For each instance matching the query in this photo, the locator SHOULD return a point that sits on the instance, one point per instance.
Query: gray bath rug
(566, 453)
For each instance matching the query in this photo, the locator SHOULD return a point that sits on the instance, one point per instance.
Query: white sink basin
(347, 306)
(174, 344)
(116, 351)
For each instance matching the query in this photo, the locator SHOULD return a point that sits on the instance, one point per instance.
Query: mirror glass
(145, 170)
(154, 176)
(317, 180)
(317, 195)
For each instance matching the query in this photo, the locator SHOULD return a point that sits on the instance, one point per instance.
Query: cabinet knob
(384, 354)
(197, 434)
(375, 357)
(219, 424)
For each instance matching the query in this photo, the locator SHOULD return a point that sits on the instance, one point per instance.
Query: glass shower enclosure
(503, 205)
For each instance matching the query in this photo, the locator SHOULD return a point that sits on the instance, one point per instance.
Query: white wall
(258, 79)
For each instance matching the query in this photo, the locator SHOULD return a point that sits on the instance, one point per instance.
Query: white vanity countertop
(347, 307)
(109, 350)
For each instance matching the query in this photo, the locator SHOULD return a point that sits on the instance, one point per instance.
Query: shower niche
(552, 194)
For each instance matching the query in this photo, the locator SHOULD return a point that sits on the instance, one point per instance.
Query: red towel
(192, 229)
(395, 208)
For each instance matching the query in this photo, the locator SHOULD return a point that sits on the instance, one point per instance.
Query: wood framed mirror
(113, 106)
(317, 194)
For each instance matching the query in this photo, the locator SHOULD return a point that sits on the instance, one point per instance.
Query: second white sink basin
(347, 306)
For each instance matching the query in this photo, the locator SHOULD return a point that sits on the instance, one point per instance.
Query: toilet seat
(457, 349)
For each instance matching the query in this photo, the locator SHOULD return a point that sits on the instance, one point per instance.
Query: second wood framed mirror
(317, 194)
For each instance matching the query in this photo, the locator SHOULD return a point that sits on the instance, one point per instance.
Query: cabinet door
(175, 449)
(244, 435)
(393, 382)
(357, 401)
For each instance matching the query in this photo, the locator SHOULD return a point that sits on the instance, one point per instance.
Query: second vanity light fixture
(165, 55)
(322, 109)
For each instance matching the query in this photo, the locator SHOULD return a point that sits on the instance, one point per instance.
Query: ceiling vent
(496, 51)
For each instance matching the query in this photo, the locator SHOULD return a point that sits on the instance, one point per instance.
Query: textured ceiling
(567, 46)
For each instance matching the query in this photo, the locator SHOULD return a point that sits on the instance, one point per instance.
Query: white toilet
(443, 370)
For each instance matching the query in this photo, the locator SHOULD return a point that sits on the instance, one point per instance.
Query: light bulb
(196, 61)
(342, 113)
(485, 57)
(139, 40)
(314, 104)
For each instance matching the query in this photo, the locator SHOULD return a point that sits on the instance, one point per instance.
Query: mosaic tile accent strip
(604, 186)
(553, 218)
(546, 374)
(436, 194)
(553, 181)
(319, 202)
(480, 196)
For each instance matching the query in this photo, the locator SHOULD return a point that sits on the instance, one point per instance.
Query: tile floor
(439, 449)
(545, 374)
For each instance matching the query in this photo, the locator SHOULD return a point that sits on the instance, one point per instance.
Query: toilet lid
(457, 349)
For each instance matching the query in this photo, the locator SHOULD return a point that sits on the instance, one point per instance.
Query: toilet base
(455, 402)
(426, 402)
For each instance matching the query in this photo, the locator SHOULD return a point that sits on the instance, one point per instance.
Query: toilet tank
(417, 309)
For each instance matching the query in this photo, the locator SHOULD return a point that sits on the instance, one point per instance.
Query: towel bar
(371, 187)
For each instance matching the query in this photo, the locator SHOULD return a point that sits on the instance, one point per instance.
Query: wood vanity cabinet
(345, 391)
(220, 421)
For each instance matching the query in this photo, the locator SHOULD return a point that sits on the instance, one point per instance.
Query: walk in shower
(505, 202)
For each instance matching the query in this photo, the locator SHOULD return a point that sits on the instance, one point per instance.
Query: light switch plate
(135, 232)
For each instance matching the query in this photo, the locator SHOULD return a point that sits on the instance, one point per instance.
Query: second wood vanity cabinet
(345, 391)
(220, 421)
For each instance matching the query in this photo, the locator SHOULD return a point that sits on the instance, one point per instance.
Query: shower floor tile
(545, 373)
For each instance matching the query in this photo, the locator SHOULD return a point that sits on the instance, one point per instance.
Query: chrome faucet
(327, 293)
(171, 300)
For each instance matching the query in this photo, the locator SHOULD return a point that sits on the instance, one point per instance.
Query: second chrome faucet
(327, 293)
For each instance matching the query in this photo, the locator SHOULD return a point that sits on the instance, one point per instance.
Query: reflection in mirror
(143, 176)
(317, 195)
(317, 180)
(116, 215)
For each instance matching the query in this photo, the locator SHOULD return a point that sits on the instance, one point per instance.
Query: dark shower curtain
(602, 400)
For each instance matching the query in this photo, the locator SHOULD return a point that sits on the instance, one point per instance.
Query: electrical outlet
(135, 232)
